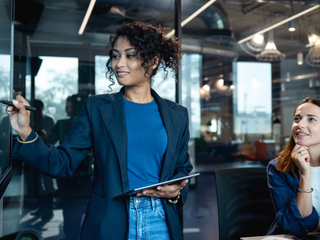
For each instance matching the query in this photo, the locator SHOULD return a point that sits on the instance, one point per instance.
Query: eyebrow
(308, 115)
(126, 50)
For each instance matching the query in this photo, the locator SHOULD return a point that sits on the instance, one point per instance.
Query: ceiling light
(86, 17)
(270, 52)
(258, 38)
(288, 77)
(300, 58)
(254, 46)
(312, 38)
(206, 87)
(220, 85)
(313, 57)
(192, 16)
(280, 23)
(292, 26)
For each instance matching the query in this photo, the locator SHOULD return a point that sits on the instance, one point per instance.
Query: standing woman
(138, 139)
(294, 177)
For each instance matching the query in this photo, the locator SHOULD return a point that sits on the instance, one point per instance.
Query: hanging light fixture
(313, 57)
(270, 52)
(254, 45)
(292, 26)
(300, 58)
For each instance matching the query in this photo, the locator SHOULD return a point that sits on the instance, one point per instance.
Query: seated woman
(294, 177)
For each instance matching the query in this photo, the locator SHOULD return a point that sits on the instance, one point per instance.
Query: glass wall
(241, 80)
(254, 72)
(6, 36)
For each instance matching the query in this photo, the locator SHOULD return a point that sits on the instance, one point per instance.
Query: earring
(154, 66)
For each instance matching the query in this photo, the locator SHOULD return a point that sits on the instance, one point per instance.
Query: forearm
(304, 200)
(24, 133)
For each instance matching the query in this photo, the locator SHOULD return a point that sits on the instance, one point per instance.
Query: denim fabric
(147, 219)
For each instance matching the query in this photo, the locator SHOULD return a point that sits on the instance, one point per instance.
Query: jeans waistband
(142, 201)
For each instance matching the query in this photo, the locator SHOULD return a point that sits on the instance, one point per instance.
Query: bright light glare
(206, 87)
(258, 38)
(86, 17)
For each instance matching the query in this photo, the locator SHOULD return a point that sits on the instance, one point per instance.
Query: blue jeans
(147, 219)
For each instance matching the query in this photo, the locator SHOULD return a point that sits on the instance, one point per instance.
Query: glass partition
(242, 77)
(5, 91)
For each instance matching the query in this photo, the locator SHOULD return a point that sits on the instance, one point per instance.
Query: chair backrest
(244, 203)
(261, 150)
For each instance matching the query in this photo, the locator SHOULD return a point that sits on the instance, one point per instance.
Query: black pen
(11, 104)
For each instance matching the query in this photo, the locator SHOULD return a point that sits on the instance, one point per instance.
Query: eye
(113, 56)
(131, 55)
(296, 119)
(312, 119)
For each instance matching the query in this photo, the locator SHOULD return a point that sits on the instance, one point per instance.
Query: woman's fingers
(300, 155)
(165, 191)
(19, 102)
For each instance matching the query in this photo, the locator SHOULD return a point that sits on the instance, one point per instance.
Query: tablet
(172, 181)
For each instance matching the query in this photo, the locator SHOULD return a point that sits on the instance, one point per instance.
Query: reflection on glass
(101, 82)
(252, 98)
(56, 80)
(190, 81)
(4, 120)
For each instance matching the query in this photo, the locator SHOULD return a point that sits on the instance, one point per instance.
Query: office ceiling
(214, 32)
(225, 22)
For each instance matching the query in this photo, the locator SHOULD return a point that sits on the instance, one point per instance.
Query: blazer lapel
(172, 121)
(114, 118)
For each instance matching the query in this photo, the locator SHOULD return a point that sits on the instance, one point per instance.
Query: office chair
(244, 203)
(259, 155)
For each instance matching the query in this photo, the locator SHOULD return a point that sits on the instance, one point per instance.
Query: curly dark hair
(151, 44)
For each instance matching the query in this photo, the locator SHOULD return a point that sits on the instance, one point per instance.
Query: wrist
(175, 200)
(24, 133)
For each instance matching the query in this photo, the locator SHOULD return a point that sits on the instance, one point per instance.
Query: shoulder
(273, 164)
(103, 97)
(272, 168)
(175, 106)
(95, 101)
(274, 174)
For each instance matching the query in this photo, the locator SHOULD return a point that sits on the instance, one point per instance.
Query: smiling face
(306, 125)
(126, 65)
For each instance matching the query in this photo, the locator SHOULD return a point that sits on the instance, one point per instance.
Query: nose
(302, 123)
(121, 62)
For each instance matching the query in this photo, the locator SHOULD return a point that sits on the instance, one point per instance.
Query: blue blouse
(146, 143)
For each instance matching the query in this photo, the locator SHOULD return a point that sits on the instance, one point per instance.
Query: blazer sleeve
(183, 165)
(63, 160)
(284, 200)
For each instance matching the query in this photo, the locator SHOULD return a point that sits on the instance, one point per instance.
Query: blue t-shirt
(146, 143)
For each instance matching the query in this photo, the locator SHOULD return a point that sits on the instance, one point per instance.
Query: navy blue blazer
(283, 190)
(101, 125)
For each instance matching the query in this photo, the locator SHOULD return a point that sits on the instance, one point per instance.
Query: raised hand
(20, 117)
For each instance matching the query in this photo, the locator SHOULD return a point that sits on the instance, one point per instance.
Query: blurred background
(246, 66)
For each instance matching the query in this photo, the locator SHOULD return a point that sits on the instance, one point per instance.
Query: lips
(301, 134)
(122, 73)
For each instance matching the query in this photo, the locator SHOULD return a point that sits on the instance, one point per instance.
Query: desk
(287, 236)
(310, 236)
